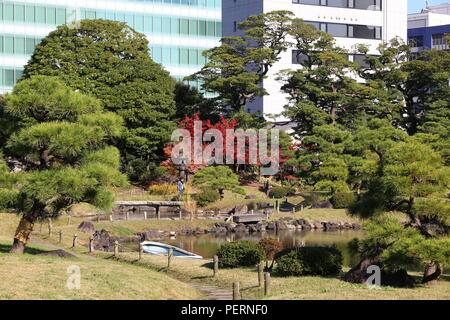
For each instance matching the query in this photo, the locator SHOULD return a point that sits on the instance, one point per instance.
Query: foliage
(343, 200)
(64, 158)
(164, 189)
(217, 178)
(111, 62)
(235, 69)
(189, 101)
(278, 192)
(271, 247)
(240, 254)
(207, 196)
(307, 261)
(403, 247)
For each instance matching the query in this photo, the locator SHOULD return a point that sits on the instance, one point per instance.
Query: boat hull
(162, 249)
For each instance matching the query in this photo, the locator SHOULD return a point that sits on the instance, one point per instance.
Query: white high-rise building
(350, 21)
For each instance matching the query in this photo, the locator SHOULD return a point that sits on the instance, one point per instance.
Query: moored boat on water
(158, 248)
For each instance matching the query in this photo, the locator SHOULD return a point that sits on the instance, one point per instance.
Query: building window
(438, 39)
(348, 31)
(416, 42)
(351, 4)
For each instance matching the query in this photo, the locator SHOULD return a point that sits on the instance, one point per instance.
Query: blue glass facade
(178, 30)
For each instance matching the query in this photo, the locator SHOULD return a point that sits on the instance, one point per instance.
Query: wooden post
(128, 216)
(60, 236)
(116, 248)
(260, 274)
(216, 265)
(74, 241)
(302, 208)
(145, 215)
(158, 214)
(293, 210)
(140, 251)
(40, 228)
(50, 227)
(169, 257)
(236, 291)
(267, 284)
(180, 212)
(111, 218)
(277, 204)
(91, 244)
(98, 218)
(69, 220)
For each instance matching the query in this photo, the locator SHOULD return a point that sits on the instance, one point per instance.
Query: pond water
(207, 245)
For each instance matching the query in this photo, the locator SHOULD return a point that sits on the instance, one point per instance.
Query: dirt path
(213, 293)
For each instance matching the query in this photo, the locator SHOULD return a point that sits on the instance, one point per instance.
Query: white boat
(158, 248)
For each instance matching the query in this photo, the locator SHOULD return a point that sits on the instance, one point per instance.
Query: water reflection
(207, 245)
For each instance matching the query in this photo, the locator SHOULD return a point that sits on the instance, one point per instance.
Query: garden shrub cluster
(343, 200)
(240, 254)
(309, 261)
(279, 192)
(164, 189)
(207, 196)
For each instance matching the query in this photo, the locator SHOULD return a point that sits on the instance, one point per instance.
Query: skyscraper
(178, 30)
(350, 21)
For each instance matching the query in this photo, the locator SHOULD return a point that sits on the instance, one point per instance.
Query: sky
(417, 5)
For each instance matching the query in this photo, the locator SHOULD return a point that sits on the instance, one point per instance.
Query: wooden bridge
(138, 206)
(250, 218)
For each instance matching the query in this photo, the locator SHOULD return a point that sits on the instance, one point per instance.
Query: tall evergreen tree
(111, 62)
(60, 145)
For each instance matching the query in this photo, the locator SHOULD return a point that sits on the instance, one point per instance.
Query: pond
(207, 245)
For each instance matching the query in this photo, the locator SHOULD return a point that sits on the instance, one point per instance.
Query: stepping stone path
(213, 293)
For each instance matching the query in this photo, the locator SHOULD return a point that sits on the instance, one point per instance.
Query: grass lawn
(331, 215)
(133, 279)
(36, 276)
(295, 288)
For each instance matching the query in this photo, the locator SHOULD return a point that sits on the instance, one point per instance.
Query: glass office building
(178, 30)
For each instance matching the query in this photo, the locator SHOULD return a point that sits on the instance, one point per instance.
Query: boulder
(87, 227)
(356, 226)
(241, 228)
(282, 225)
(150, 235)
(271, 226)
(199, 231)
(103, 241)
(331, 226)
(323, 205)
(261, 227)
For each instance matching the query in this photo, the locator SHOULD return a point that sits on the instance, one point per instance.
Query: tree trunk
(23, 233)
(433, 272)
(359, 273)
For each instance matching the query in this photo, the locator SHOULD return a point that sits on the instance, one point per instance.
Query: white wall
(393, 19)
(421, 20)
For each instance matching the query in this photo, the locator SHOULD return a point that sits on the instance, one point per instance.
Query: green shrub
(207, 196)
(343, 200)
(240, 254)
(279, 192)
(309, 261)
